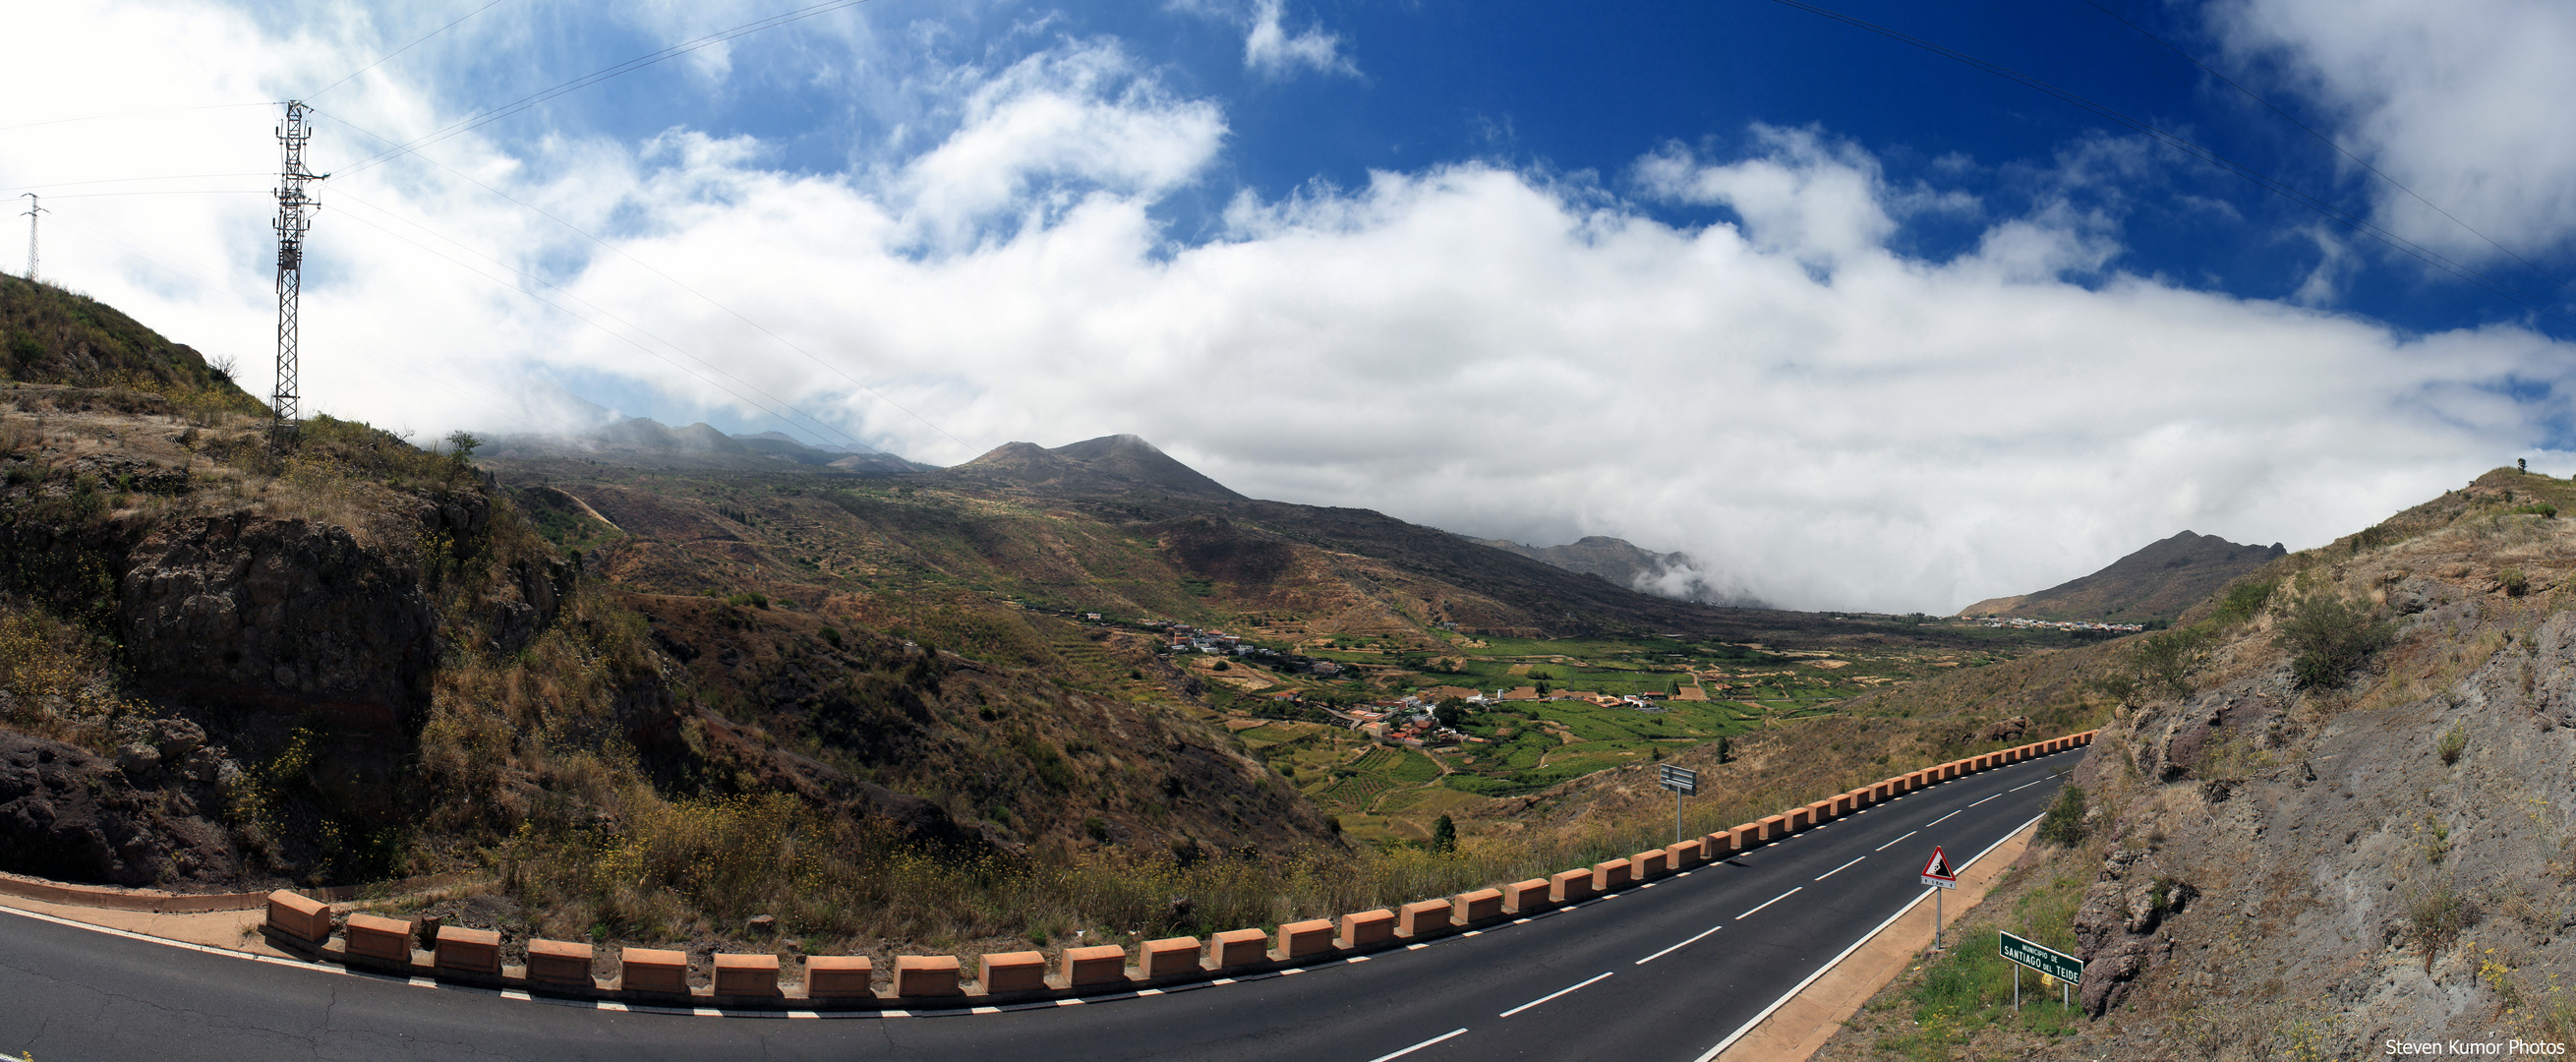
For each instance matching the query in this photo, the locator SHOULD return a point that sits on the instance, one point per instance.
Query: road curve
(1664, 971)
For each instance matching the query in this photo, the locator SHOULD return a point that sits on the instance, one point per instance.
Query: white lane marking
(1419, 1046)
(1676, 947)
(1837, 960)
(1838, 870)
(2024, 785)
(1545, 998)
(1989, 798)
(1769, 902)
(1942, 819)
(1892, 844)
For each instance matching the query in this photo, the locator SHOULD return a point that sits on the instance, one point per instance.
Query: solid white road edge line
(1676, 947)
(1838, 870)
(1769, 902)
(1837, 960)
(1549, 996)
(1419, 1046)
(1892, 844)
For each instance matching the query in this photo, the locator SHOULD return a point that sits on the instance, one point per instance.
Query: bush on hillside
(2164, 662)
(2244, 599)
(2328, 636)
(2064, 823)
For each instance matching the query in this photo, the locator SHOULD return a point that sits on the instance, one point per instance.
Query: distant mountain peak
(1111, 465)
(2157, 582)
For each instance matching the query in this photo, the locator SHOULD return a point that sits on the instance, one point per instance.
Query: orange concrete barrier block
(1569, 886)
(1771, 828)
(1238, 947)
(301, 917)
(1882, 792)
(1683, 855)
(1298, 940)
(1839, 805)
(925, 975)
(1523, 897)
(646, 969)
(746, 975)
(1647, 864)
(475, 951)
(839, 977)
(1612, 875)
(1473, 907)
(1748, 835)
(1423, 917)
(1100, 964)
(1367, 929)
(1014, 971)
(1169, 957)
(560, 962)
(378, 938)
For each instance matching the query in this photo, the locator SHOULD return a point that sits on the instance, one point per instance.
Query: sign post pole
(2050, 962)
(1683, 782)
(1937, 873)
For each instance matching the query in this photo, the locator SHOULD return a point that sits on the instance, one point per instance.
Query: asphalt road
(1667, 971)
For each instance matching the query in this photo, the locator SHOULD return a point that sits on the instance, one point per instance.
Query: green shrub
(2164, 662)
(2064, 823)
(2514, 581)
(2244, 600)
(2543, 510)
(2328, 636)
(2436, 918)
(2451, 744)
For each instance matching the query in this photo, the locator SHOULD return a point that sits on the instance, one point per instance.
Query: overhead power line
(620, 70)
(2256, 177)
(2330, 142)
(129, 114)
(380, 61)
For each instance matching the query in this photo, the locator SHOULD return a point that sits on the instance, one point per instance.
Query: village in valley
(1393, 730)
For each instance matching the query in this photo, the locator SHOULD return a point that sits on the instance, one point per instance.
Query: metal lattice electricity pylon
(34, 207)
(293, 220)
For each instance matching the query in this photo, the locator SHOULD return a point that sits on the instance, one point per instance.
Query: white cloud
(1821, 420)
(1269, 49)
(2465, 103)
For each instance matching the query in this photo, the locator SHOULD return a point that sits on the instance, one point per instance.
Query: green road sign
(2052, 962)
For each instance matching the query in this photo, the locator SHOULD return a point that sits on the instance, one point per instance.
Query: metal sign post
(1937, 873)
(1683, 782)
(2050, 962)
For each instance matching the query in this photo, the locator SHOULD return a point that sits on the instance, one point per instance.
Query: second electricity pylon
(35, 206)
(293, 220)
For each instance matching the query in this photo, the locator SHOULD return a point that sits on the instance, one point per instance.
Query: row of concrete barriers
(656, 976)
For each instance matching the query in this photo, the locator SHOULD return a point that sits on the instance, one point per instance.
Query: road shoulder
(1802, 1025)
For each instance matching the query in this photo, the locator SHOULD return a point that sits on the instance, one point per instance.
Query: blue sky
(1855, 324)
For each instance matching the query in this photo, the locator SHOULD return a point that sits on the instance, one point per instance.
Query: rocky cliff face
(281, 612)
(2385, 854)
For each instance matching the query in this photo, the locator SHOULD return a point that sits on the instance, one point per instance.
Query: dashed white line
(1942, 819)
(1892, 844)
(2024, 785)
(1544, 998)
(1769, 902)
(1983, 801)
(1676, 947)
(1838, 870)
(1419, 1046)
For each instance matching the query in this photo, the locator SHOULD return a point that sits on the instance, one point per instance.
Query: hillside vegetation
(2333, 809)
(647, 705)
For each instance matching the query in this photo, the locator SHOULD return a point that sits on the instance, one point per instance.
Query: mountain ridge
(2156, 582)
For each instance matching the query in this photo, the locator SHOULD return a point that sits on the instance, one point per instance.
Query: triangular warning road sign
(1936, 870)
